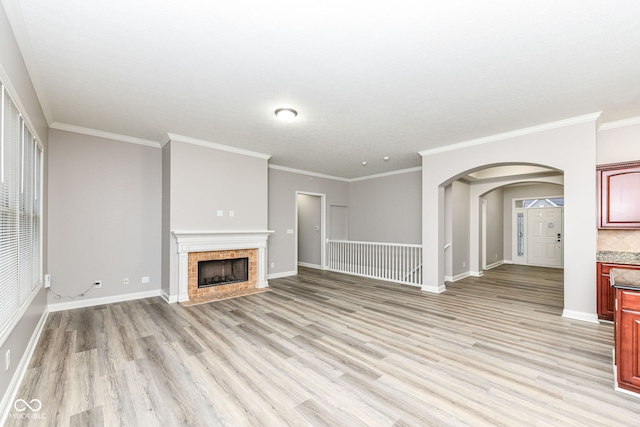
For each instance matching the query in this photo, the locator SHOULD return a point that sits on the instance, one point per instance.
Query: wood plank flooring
(326, 349)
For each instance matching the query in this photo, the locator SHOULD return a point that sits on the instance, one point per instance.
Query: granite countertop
(625, 279)
(615, 257)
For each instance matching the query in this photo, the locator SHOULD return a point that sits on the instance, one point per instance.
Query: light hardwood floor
(327, 349)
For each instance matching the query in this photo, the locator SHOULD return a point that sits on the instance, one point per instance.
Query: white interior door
(544, 235)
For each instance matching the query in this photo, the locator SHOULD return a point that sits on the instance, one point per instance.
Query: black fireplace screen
(222, 272)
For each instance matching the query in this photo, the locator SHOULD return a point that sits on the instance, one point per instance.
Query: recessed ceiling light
(385, 158)
(364, 163)
(286, 114)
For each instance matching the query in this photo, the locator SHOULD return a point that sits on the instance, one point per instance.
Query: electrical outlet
(273, 265)
(47, 280)
(144, 279)
(126, 280)
(98, 283)
(464, 264)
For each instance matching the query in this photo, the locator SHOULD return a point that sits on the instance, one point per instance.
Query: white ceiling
(368, 78)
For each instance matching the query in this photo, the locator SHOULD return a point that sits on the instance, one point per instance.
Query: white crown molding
(620, 123)
(337, 178)
(102, 134)
(520, 132)
(382, 175)
(303, 172)
(209, 144)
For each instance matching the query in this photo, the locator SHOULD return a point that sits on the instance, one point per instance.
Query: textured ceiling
(368, 79)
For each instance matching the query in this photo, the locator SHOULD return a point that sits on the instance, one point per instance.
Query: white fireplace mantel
(202, 241)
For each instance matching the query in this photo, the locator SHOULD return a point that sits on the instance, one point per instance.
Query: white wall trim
(384, 174)
(507, 261)
(14, 385)
(303, 172)
(70, 305)
(579, 315)
(337, 178)
(620, 123)
(308, 265)
(494, 265)
(433, 289)
(456, 277)
(475, 273)
(168, 298)
(282, 274)
(209, 144)
(102, 134)
(512, 134)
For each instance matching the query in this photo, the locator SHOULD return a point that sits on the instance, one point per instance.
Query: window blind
(20, 212)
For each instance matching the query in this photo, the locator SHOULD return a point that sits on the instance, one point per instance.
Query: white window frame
(21, 214)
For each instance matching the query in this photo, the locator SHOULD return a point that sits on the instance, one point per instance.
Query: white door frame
(514, 231)
(483, 216)
(323, 223)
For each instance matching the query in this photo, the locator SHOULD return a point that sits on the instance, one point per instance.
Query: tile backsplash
(619, 240)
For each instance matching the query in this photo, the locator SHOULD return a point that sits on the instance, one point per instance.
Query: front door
(545, 236)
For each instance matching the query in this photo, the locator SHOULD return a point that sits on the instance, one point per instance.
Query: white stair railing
(394, 262)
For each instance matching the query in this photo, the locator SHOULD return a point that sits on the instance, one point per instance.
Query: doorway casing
(323, 239)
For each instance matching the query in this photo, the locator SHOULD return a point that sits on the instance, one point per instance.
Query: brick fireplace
(197, 292)
(194, 247)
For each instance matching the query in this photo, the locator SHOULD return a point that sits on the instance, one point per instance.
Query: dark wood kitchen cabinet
(605, 294)
(619, 195)
(627, 336)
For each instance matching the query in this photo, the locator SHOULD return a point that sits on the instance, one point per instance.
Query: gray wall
(460, 194)
(283, 185)
(205, 180)
(386, 209)
(309, 239)
(104, 215)
(520, 192)
(14, 74)
(495, 226)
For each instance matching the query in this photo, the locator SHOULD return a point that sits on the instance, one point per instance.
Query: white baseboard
(433, 289)
(306, 264)
(494, 265)
(475, 273)
(508, 261)
(456, 277)
(168, 298)
(21, 370)
(580, 315)
(60, 306)
(280, 275)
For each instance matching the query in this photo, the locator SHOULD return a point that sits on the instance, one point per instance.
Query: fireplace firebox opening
(222, 272)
